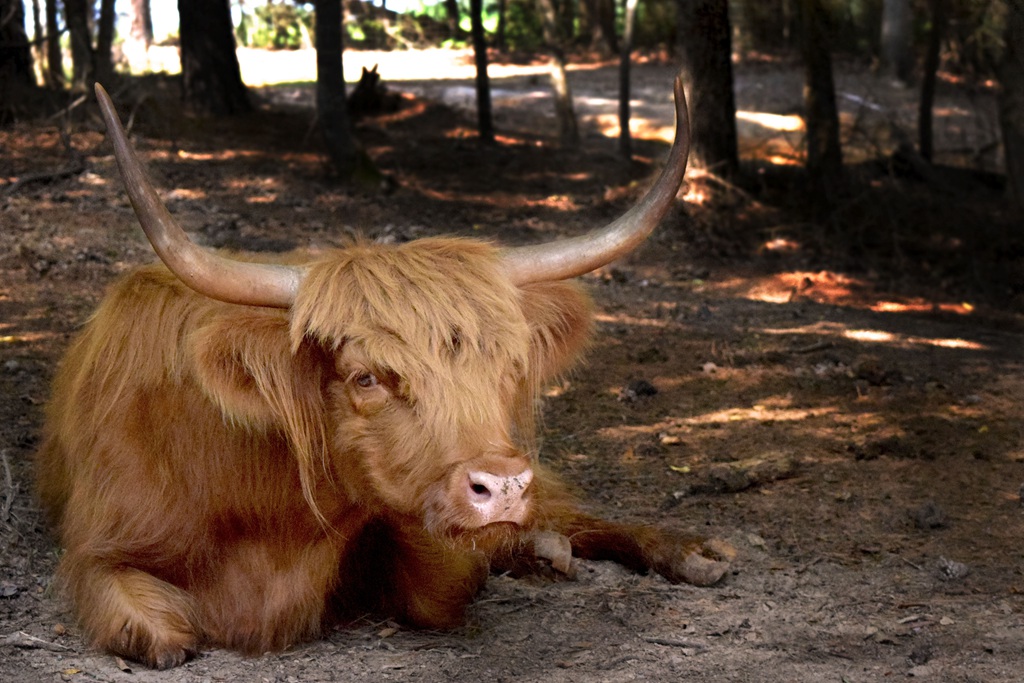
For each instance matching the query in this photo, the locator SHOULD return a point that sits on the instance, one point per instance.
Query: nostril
(482, 486)
(498, 498)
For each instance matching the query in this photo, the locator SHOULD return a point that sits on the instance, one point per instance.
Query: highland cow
(240, 454)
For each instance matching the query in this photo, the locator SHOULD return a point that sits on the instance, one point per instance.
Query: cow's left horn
(578, 255)
(238, 282)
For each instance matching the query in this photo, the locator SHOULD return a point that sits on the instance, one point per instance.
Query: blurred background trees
(70, 44)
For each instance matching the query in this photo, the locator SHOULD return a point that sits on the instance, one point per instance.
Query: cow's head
(406, 374)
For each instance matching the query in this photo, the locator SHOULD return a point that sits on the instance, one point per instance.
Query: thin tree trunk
(331, 102)
(706, 55)
(566, 19)
(597, 24)
(485, 121)
(625, 139)
(15, 55)
(54, 55)
(931, 67)
(606, 20)
(38, 49)
(105, 42)
(140, 36)
(211, 77)
(568, 130)
(452, 9)
(824, 153)
(499, 35)
(1011, 102)
(897, 40)
(76, 13)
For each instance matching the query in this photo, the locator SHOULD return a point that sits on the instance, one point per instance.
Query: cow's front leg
(433, 581)
(401, 571)
(132, 613)
(677, 556)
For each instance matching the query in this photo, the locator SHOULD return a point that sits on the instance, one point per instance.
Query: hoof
(556, 549)
(707, 565)
(164, 651)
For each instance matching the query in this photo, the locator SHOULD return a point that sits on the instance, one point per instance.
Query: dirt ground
(837, 397)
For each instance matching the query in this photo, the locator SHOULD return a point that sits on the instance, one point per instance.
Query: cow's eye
(366, 380)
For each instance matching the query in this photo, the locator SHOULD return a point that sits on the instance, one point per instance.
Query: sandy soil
(855, 432)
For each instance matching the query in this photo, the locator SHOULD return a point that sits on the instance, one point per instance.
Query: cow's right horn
(254, 284)
(574, 256)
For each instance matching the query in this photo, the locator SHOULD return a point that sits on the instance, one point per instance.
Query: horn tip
(106, 104)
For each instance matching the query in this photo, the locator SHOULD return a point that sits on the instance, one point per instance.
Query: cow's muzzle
(497, 498)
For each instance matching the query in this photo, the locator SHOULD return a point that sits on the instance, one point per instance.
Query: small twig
(10, 15)
(712, 177)
(44, 176)
(673, 642)
(67, 110)
(918, 568)
(130, 123)
(810, 563)
(22, 639)
(811, 348)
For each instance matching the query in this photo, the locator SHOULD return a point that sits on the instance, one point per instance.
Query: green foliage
(278, 25)
(976, 36)
(523, 26)
(655, 23)
(856, 26)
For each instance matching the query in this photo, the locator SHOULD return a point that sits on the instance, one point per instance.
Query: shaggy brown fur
(242, 477)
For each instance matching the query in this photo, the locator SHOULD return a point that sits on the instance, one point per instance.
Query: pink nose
(497, 498)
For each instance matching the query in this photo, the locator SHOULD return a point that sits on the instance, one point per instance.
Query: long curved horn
(578, 255)
(237, 282)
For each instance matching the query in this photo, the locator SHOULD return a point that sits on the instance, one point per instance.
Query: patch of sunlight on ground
(865, 336)
(827, 287)
(270, 67)
(789, 124)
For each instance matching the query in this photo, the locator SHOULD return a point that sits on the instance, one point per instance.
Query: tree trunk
(706, 54)
(499, 35)
(606, 20)
(897, 40)
(140, 37)
(211, 78)
(597, 22)
(15, 55)
(568, 130)
(1011, 102)
(105, 42)
(38, 49)
(931, 67)
(331, 103)
(625, 139)
(485, 122)
(54, 55)
(824, 153)
(452, 9)
(76, 14)
(763, 25)
(566, 19)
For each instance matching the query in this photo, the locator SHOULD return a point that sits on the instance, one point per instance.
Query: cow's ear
(244, 363)
(559, 316)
